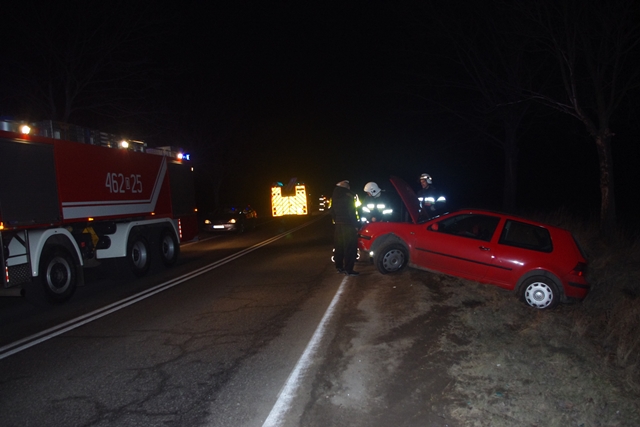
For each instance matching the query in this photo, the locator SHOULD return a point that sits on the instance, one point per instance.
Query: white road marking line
(32, 340)
(288, 392)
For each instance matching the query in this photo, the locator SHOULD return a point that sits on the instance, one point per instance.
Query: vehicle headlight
(206, 221)
(232, 221)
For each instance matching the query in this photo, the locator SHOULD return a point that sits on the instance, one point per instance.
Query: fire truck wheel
(58, 274)
(138, 255)
(169, 248)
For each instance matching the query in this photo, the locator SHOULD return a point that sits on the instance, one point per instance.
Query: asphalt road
(259, 330)
(215, 349)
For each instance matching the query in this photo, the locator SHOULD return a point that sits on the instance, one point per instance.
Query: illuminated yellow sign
(295, 204)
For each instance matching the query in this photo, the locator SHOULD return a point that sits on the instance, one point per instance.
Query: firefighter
(431, 201)
(376, 207)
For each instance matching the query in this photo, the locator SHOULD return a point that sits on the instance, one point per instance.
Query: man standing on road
(345, 235)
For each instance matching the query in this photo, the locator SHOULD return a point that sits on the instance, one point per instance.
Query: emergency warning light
(292, 202)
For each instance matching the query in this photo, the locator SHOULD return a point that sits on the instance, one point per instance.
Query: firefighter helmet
(372, 188)
(427, 178)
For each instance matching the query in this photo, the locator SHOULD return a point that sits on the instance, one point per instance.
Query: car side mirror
(433, 227)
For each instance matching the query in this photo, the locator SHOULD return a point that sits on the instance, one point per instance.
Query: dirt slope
(421, 349)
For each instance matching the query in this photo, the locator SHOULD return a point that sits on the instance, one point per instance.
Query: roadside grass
(610, 314)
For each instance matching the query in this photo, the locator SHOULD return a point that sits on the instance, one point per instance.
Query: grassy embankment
(610, 315)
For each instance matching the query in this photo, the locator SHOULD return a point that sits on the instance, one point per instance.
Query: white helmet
(426, 177)
(372, 188)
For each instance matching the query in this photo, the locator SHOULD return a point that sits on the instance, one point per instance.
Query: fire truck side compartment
(182, 189)
(28, 191)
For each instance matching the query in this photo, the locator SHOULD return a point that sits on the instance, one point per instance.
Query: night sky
(265, 91)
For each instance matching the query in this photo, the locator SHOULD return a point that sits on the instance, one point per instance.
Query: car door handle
(484, 248)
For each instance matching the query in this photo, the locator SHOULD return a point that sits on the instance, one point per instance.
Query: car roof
(410, 200)
(507, 216)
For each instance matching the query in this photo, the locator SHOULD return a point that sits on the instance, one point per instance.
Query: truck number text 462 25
(118, 183)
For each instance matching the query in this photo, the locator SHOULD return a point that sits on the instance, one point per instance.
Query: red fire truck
(66, 205)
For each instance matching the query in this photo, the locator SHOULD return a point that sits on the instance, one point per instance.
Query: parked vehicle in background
(70, 197)
(543, 264)
(232, 218)
(290, 199)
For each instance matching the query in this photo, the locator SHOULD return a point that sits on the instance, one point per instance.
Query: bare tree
(69, 58)
(484, 76)
(595, 45)
(495, 61)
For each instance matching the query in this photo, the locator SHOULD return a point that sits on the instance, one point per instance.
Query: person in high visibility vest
(431, 201)
(376, 206)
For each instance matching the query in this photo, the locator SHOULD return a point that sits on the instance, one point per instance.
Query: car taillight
(580, 269)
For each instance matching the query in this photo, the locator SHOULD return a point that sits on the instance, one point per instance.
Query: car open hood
(408, 197)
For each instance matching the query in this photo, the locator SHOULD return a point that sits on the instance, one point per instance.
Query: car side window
(474, 226)
(526, 236)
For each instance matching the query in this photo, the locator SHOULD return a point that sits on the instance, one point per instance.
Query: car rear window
(526, 236)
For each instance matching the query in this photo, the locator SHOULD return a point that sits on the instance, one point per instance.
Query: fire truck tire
(58, 274)
(169, 248)
(138, 255)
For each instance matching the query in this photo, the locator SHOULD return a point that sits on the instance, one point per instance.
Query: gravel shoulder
(424, 349)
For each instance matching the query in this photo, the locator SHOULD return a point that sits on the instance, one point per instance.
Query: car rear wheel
(391, 258)
(540, 292)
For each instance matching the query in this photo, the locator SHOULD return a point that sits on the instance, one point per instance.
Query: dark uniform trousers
(346, 246)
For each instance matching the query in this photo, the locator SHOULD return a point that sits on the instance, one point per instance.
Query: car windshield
(225, 212)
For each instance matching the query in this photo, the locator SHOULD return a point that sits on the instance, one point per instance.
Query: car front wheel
(540, 292)
(391, 258)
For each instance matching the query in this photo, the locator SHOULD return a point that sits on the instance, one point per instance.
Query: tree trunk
(510, 177)
(608, 204)
(510, 146)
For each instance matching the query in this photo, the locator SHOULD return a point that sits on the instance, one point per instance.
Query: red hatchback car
(543, 264)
